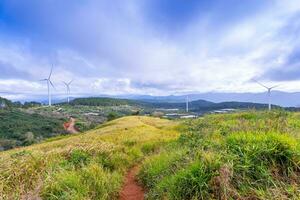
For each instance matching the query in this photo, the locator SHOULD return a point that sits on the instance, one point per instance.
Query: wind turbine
(187, 104)
(269, 89)
(68, 89)
(49, 82)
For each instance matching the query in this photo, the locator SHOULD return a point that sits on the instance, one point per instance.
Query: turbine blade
(50, 72)
(43, 79)
(52, 84)
(274, 86)
(71, 82)
(261, 84)
(65, 83)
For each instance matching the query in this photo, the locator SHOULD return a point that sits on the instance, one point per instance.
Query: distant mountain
(284, 99)
(153, 99)
(205, 106)
(195, 106)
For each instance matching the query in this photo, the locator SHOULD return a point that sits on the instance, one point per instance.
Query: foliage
(101, 101)
(18, 128)
(5, 103)
(112, 116)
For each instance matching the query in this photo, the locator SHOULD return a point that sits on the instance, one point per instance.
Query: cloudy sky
(156, 47)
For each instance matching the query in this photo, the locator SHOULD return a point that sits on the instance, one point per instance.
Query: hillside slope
(84, 166)
(249, 155)
(19, 128)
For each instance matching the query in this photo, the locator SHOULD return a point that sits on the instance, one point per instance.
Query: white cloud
(115, 50)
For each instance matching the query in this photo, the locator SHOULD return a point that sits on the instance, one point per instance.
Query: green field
(247, 155)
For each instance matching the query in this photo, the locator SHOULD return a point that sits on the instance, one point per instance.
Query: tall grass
(83, 166)
(249, 155)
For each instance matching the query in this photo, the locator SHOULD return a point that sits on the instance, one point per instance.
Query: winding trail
(70, 126)
(131, 189)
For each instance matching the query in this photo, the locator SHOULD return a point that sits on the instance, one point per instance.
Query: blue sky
(156, 47)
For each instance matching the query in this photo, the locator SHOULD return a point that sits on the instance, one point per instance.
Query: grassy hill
(251, 155)
(248, 155)
(83, 166)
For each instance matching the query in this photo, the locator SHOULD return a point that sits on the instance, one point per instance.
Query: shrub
(112, 116)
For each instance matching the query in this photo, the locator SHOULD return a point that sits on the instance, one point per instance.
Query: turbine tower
(49, 82)
(187, 104)
(269, 89)
(68, 89)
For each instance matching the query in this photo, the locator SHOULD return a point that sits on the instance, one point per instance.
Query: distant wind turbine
(269, 89)
(68, 89)
(49, 82)
(187, 104)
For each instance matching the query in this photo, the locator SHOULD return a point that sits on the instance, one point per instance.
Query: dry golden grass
(31, 170)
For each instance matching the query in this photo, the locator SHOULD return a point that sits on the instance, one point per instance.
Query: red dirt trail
(131, 189)
(70, 126)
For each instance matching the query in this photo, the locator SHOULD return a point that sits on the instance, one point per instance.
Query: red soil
(70, 126)
(131, 189)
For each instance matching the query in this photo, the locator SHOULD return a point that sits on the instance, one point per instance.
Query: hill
(248, 155)
(102, 101)
(205, 106)
(83, 166)
(5, 103)
(195, 106)
(19, 128)
(284, 99)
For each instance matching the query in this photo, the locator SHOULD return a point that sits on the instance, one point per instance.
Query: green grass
(83, 166)
(249, 155)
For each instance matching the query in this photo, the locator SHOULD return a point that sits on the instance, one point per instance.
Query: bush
(112, 116)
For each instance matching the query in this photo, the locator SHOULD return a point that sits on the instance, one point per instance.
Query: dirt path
(70, 126)
(131, 189)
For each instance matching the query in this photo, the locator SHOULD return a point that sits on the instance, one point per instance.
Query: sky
(154, 47)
